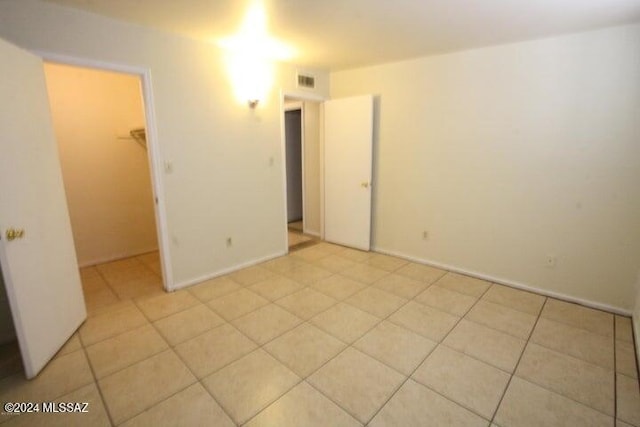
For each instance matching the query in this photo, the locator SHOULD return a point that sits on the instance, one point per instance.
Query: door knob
(13, 234)
(364, 185)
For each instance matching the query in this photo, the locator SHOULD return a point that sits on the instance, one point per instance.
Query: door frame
(153, 149)
(300, 97)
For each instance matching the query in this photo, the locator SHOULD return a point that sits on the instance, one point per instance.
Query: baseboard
(510, 283)
(224, 271)
(112, 258)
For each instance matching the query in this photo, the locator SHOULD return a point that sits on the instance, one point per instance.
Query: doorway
(337, 164)
(302, 168)
(99, 123)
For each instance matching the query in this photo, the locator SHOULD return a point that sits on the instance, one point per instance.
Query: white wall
(106, 178)
(508, 154)
(312, 165)
(223, 182)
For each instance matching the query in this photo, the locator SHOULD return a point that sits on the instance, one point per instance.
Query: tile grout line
(515, 368)
(562, 353)
(268, 298)
(333, 304)
(524, 339)
(169, 348)
(328, 308)
(225, 321)
(413, 298)
(460, 318)
(438, 343)
(331, 399)
(55, 397)
(546, 388)
(136, 362)
(130, 329)
(145, 265)
(338, 301)
(304, 286)
(303, 379)
(264, 408)
(576, 326)
(226, 364)
(95, 381)
(103, 277)
(135, 302)
(585, 405)
(198, 380)
(258, 347)
(478, 300)
(347, 346)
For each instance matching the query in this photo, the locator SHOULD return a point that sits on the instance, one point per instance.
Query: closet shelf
(140, 136)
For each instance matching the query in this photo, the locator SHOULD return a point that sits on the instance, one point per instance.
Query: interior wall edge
(511, 283)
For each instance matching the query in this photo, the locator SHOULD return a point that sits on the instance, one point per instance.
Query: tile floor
(296, 238)
(329, 336)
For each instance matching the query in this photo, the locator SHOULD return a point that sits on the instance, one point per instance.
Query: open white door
(348, 153)
(39, 268)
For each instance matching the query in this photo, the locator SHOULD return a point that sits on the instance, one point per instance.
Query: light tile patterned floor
(330, 336)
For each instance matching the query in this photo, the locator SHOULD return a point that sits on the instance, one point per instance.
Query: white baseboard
(224, 271)
(510, 283)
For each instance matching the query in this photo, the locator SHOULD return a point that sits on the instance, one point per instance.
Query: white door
(39, 268)
(348, 153)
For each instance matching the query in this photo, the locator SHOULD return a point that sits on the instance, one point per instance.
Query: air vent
(306, 81)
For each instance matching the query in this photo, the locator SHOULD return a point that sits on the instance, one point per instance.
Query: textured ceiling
(339, 34)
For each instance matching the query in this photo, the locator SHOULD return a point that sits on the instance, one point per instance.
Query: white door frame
(301, 97)
(153, 150)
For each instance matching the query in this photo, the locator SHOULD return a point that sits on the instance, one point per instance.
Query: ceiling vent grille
(306, 81)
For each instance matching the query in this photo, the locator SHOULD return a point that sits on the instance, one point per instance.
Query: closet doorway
(301, 120)
(99, 123)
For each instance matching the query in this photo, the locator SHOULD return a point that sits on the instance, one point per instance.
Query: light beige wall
(312, 167)
(226, 159)
(508, 154)
(106, 178)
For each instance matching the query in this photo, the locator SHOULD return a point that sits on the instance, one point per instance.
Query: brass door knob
(13, 234)
(364, 185)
